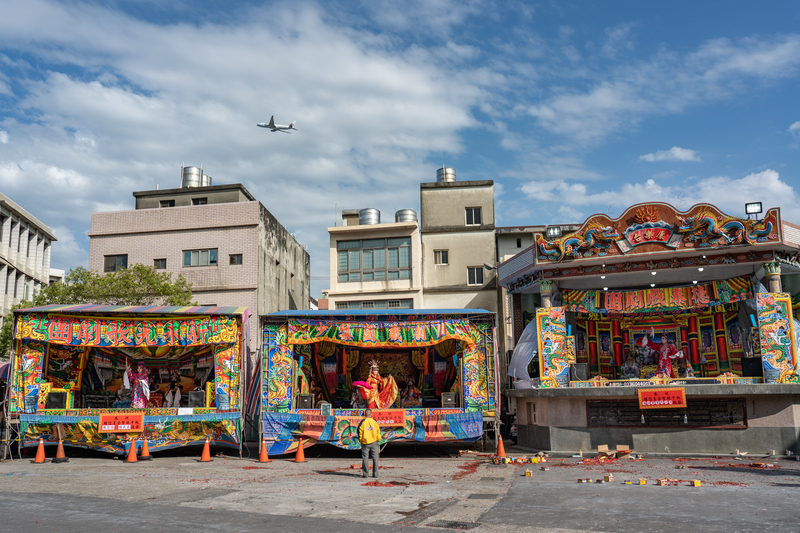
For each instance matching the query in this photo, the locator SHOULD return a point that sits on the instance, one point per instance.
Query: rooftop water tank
(405, 215)
(445, 174)
(206, 180)
(369, 216)
(191, 177)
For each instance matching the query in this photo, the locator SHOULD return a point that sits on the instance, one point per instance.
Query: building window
(115, 263)
(519, 243)
(377, 304)
(167, 203)
(475, 275)
(440, 257)
(473, 216)
(200, 257)
(199, 201)
(160, 264)
(236, 259)
(374, 259)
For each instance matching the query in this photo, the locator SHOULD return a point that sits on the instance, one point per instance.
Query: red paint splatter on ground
(422, 482)
(379, 484)
(467, 469)
(728, 483)
(255, 468)
(358, 467)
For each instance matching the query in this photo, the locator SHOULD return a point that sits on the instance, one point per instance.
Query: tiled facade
(24, 254)
(274, 272)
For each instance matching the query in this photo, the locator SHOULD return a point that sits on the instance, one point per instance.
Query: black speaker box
(56, 400)
(449, 399)
(751, 367)
(579, 372)
(197, 398)
(305, 401)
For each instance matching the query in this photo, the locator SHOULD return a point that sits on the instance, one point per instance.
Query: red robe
(666, 353)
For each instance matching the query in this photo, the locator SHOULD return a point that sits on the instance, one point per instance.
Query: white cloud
(673, 154)
(666, 83)
(3, 137)
(125, 102)
(727, 193)
(795, 128)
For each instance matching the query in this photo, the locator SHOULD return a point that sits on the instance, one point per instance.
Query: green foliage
(137, 285)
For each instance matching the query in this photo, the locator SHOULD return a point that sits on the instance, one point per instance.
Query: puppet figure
(666, 353)
(139, 382)
(383, 391)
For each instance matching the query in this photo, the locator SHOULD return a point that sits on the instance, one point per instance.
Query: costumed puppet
(139, 382)
(383, 391)
(666, 353)
(629, 369)
(411, 396)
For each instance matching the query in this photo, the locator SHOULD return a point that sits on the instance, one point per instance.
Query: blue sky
(572, 108)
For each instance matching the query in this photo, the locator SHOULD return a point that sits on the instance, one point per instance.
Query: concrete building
(220, 238)
(458, 243)
(24, 254)
(375, 265)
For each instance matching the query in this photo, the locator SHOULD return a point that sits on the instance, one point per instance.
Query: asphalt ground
(420, 488)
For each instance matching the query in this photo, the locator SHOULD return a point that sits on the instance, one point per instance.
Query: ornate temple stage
(429, 376)
(673, 333)
(69, 375)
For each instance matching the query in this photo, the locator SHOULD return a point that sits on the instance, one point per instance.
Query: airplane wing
(283, 131)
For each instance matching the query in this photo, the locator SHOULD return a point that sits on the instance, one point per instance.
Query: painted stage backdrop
(776, 334)
(53, 351)
(290, 344)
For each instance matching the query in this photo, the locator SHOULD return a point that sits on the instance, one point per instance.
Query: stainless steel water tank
(369, 216)
(446, 174)
(206, 180)
(192, 177)
(405, 215)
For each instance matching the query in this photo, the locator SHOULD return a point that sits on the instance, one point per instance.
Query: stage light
(553, 232)
(652, 284)
(605, 288)
(753, 208)
(704, 257)
(653, 273)
(700, 269)
(603, 276)
(694, 282)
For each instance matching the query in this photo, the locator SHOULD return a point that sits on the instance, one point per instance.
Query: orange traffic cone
(145, 452)
(205, 457)
(263, 457)
(40, 452)
(501, 450)
(301, 455)
(132, 453)
(60, 456)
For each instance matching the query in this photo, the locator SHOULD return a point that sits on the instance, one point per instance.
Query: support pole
(694, 340)
(722, 341)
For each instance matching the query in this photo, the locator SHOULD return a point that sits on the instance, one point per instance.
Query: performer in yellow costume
(383, 393)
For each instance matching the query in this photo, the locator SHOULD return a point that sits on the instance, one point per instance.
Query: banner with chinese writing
(127, 332)
(662, 398)
(660, 299)
(121, 423)
(389, 417)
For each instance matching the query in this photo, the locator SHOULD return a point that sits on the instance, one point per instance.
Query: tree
(137, 285)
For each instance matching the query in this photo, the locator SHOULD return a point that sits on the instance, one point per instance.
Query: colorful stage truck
(69, 375)
(429, 375)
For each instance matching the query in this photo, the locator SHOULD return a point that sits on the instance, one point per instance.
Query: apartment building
(24, 254)
(224, 241)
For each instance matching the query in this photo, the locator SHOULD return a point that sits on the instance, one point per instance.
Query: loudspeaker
(197, 398)
(305, 401)
(751, 367)
(449, 399)
(56, 400)
(579, 372)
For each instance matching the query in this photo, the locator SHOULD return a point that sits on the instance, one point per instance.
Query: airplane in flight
(277, 127)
